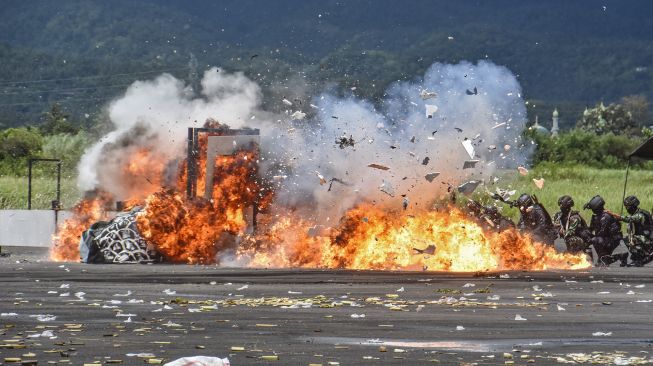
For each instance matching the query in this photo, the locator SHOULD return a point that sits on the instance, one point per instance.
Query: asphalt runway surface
(77, 314)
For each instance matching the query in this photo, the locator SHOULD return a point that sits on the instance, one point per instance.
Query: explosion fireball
(321, 204)
(366, 237)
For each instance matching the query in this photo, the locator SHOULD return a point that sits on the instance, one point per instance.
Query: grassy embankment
(582, 183)
(13, 192)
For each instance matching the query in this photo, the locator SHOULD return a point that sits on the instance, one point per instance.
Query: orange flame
(142, 174)
(372, 238)
(367, 237)
(194, 231)
(66, 240)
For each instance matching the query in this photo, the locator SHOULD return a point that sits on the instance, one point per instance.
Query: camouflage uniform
(572, 227)
(640, 235)
(605, 231)
(535, 220)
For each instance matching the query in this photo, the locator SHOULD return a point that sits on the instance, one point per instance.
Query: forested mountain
(566, 53)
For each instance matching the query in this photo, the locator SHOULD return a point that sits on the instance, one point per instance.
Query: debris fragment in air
(431, 176)
(467, 144)
(430, 250)
(468, 188)
(378, 166)
(539, 183)
(430, 110)
(298, 115)
(345, 141)
(425, 94)
(387, 188)
(321, 177)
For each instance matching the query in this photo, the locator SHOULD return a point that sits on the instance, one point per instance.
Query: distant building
(555, 128)
(539, 129)
(555, 125)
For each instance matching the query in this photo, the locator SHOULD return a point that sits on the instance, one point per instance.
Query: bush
(17, 145)
(614, 118)
(585, 148)
(69, 148)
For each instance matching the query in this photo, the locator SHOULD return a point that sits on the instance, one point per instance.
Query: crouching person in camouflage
(606, 232)
(572, 227)
(640, 235)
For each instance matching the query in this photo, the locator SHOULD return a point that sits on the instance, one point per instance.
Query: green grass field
(581, 183)
(13, 192)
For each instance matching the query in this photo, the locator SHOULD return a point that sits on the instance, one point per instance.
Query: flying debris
(425, 94)
(492, 147)
(298, 115)
(434, 132)
(468, 188)
(412, 139)
(378, 166)
(345, 141)
(499, 125)
(458, 129)
(387, 188)
(430, 250)
(470, 164)
(321, 177)
(405, 203)
(431, 176)
(286, 102)
(504, 194)
(253, 56)
(469, 92)
(337, 180)
(426, 161)
(430, 110)
(539, 183)
(469, 147)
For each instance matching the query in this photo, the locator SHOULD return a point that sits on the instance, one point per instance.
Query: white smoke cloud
(157, 113)
(384, 136)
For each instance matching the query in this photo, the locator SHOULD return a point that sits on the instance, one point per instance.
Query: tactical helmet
(631, 203)
(565, 202)
(525, 200)
(596, 204)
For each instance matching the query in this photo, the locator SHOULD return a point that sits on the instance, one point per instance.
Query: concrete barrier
(29, 228)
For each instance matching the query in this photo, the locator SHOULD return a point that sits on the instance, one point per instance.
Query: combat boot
(623, 257)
